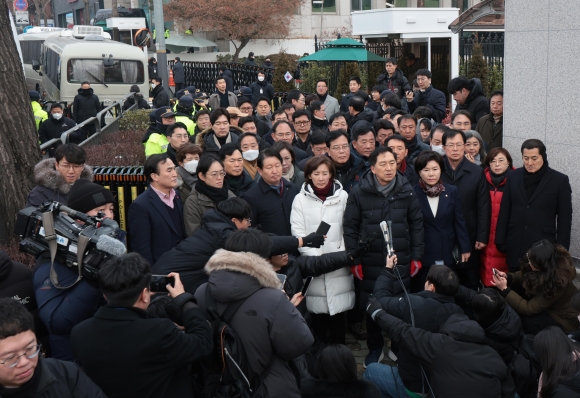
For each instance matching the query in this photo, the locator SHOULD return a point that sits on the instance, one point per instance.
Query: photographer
(129, 355)
(61, 309)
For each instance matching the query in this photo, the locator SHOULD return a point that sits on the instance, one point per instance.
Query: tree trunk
(37, 12)
(243, 44)
(18, 152)
(87, 11)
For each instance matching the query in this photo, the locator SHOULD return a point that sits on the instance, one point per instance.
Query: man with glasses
(427, 96)
(349, 168)
(55, 177)
(177, 135)
(475, 202)
(156, 217)
(24, 372)
(237, 179)
(245, 105)
(302, 125)
(330, 103)
(284, 131)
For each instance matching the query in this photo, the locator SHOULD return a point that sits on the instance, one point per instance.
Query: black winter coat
(457, 360)
(312, 388)
(365, 210)
(16, 282)
(85, 106)
(414, 148)
(345, 100)
(261, 89)
(397, 83)
(205, 139)
(360, 118)
(178, 73)
(270, 328)
(52, 128)
(247, 183)
(141, 103)
(271, 211)
(411, 174)
(350, 178)
(129, 355)
(228, 77)
(546, 215)
(160, 96)
(61, 379)
(475, 202)
(476, 104)
(567, 388)
(433, 99)
(431, 310)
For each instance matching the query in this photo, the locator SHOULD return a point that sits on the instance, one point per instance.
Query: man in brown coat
(491, 126)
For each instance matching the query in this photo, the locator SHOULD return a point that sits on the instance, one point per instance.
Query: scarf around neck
(216, 195)
(323, 193)
(432, 190)
(251, 167)
(384, 190)
(289, 175)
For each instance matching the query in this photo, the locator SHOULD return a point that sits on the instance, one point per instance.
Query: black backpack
(226, 370)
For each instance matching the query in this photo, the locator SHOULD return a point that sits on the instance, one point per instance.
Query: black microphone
(74, 214)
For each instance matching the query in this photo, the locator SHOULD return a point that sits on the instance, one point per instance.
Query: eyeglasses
(458, 146)
(217, 174)
(422, 79)
(302, 123)
(180, 136)
(30, 353)
(342, 148)
(76, 167)
(247, 110)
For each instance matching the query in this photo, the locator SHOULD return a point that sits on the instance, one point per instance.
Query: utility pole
(160, 46)
(321, 2)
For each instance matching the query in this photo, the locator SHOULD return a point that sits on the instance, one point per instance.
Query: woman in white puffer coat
(322, 198)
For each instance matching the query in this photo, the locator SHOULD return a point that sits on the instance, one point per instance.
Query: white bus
(86, 53)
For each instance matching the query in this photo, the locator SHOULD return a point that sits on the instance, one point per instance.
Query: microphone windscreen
(111, 246)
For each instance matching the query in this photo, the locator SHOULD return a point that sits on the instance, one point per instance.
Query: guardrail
(116, 111)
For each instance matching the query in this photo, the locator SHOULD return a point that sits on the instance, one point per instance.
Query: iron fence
(492, 45)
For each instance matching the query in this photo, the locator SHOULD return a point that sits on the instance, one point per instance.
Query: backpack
(226, 370)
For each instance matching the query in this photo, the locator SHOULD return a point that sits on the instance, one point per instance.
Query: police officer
(40, 114)
(184, 109)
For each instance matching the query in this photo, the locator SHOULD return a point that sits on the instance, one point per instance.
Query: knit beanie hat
(84, 196)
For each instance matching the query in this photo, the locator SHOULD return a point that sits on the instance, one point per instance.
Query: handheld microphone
(390, 243)
(111, 246)
(385, 227)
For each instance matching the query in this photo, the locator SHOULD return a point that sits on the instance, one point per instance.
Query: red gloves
(415, 267)
(356, 270)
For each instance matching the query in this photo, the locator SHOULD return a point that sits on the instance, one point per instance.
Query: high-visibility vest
(154, 34)
(167, 33)
(157, 143)
(39, 114)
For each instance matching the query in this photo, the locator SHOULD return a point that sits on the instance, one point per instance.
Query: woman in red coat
(499, 163)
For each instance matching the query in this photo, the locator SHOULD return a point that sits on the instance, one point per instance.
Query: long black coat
(52, 128)
(129, 355)
(267, 90)
(475, 202)
(85, 106)
(178, 73)
(458, 362)
(160, 96)
(546, 215)
(445, 229)
(432, 99)
(397, 83)
(151, 229)
(270, 210)
(365, 210)
(431, 310)
(476, 104)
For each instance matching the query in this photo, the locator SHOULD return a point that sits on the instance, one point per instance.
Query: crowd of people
(283, 231)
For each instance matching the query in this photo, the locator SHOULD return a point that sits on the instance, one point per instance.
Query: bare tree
(19, 152)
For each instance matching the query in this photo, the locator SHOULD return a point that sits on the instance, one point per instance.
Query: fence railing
(115, 109)
(202, 74)
(492, 46)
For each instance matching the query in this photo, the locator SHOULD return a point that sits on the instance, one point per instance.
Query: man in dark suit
(271, 199)
(156, 216)
(536, 204)
(475, 202)
(130, 355)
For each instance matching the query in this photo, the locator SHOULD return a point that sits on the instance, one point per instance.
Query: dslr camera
(69, 225)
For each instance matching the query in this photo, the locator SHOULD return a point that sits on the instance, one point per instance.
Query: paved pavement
(360, 351)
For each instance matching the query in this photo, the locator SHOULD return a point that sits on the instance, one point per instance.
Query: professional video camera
(74, 239)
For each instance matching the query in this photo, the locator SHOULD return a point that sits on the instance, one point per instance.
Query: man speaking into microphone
(383, 194)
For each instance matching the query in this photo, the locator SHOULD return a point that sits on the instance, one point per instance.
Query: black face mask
(184, 109)
(86, 91)
(162, 127)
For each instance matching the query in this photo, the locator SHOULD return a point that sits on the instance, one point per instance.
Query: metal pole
(160, 47)
(321, 14)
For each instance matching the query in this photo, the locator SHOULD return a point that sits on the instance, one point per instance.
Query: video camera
(97, 234)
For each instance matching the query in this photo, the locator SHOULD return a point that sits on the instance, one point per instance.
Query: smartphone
(159, 283)
(306, 285)
(282, 279)
(494, 271)
(323, 228)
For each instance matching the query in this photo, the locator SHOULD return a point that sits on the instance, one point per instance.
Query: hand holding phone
(282, 279)
(307, 285)
(159, 283)
(323, 228)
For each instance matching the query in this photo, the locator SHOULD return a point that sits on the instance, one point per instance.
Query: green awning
(345, 50)
(178, 44)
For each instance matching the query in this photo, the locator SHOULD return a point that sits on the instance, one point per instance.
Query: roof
(489, 14)
(344, 49)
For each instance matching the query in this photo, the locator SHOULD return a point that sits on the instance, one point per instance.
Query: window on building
(360, 5)
(431, 3)
(461, 4)
(400, 3)
(326, 6)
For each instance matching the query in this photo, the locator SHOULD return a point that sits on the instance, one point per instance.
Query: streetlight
(321, 2)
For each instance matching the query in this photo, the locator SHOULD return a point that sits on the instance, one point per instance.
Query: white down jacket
(331, 293)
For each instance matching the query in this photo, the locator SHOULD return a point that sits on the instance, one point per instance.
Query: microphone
(390, 243)
(111, 246)
(387, 232)
(74, 214)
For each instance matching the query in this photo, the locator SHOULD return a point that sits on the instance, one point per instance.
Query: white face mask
(251, 155)
(438, 149)
(57, 116)
(152, 85)
(191, 166)
(261, 78)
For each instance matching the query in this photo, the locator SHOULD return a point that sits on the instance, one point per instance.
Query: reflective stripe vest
(39, 114)
(157, 143)
(188, 123)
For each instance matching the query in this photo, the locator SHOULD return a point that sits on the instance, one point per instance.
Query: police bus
(67, 58)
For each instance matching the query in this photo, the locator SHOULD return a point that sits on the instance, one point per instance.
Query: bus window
(30, 50)
(52, 66)
(94, 71)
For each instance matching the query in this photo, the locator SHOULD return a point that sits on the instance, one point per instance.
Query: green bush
(283, 63)
(478, 67)
(495, 78)
(135, 120)
(347, 70)
(312, 73)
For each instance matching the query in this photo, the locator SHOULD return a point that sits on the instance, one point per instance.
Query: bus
(86, 53)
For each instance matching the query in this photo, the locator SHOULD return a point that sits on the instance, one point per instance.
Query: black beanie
(84, 196)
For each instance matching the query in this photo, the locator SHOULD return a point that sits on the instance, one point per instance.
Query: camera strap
(50, 236)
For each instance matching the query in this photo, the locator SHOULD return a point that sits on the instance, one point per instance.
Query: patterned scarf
(432, 191)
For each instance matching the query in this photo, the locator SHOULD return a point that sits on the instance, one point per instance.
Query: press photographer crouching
(66, 292)
(129, 355)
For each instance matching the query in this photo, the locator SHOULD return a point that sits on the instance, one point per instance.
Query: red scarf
(432, 191)
(403, 167)
(322, 193)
